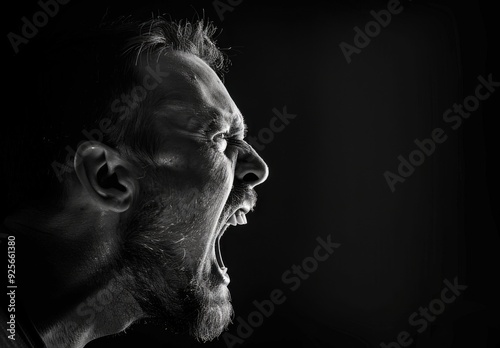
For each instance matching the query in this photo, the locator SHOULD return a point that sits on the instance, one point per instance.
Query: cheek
(198, 168)
(217, 178)
(178, 155)
(174, 160)
(221, 173)
(214, 167)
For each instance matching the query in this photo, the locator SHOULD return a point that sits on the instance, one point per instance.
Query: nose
(251, 168)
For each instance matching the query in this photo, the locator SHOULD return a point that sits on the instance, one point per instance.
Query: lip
(221, 271)
(217, 265)
(245, 207)
(225, 276)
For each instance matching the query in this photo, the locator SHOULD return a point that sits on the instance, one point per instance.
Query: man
(121, 184)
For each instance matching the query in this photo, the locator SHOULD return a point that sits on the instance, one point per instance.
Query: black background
(326, 167)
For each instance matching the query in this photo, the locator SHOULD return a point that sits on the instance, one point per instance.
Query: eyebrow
(236, 123)
(241, 126)
(217, 120)
(245, 130)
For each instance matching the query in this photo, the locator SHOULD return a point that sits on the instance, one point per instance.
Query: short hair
(62, 94)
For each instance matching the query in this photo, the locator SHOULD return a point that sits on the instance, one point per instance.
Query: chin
(215, 316)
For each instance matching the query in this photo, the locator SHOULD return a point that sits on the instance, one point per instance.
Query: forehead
(190, 87)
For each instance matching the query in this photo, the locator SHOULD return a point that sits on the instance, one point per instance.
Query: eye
(225, 140)
(221, 140)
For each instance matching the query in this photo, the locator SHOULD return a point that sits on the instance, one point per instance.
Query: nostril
(251, 169)
(250, 177)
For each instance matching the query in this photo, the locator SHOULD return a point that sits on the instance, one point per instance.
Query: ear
(107, 177)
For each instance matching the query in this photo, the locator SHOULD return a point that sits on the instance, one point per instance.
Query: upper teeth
(237, 218)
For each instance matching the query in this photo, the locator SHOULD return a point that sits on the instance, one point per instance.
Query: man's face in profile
(201, 183)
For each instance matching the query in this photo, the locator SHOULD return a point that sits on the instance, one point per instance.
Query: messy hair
(156, 36)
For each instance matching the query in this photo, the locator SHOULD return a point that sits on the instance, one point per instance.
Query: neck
(68, 279)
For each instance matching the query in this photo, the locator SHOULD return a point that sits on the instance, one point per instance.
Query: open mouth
(237, 218)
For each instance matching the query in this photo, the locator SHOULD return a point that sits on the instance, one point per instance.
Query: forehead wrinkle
(180, 114)
(206, 87)
(193, 116)
(193, 94)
